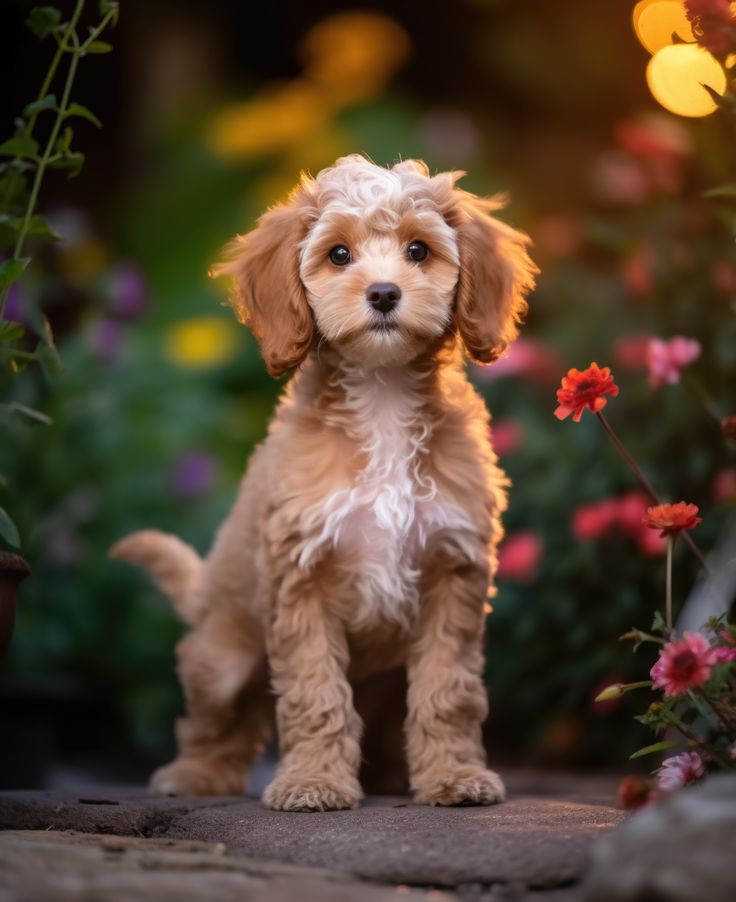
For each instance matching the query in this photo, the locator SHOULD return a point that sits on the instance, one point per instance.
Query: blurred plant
(21, 179)
(695, 674)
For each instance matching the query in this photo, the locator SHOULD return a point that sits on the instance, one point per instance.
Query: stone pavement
(534, 846)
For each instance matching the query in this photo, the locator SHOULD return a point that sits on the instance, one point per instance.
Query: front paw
(467, 786)
(313, 793)
(191, 777)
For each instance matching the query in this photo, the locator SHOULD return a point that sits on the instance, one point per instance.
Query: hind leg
(229, 718)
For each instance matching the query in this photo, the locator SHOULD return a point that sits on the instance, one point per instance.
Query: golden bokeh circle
(657, 21)
(676, 75)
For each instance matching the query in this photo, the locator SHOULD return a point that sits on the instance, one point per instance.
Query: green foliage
(19, 193)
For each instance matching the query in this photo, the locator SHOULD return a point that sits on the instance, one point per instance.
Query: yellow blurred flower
(276, 119)
(201, 342)
(352, 55)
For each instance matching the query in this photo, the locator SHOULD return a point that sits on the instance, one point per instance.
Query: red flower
(714, 25)
(724, 485)
(634, 793)
(584, 389)
(683, 665)
(672, 518)
(728, 427)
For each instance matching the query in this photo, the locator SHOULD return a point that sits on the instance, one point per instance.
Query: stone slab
(51, 866)
(530, 841)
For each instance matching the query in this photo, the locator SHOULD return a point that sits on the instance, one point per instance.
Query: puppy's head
(380, 263)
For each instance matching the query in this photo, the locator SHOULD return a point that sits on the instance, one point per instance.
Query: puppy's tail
(175, 567)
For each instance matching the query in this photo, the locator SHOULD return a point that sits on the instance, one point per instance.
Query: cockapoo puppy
(363, 539)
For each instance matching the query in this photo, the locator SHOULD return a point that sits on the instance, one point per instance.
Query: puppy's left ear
(496, 274)
(268, 293)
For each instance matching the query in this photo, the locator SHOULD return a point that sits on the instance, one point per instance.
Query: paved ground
(534, 846)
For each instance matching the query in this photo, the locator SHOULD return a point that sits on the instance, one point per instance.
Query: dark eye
(417, 251)
(340, 255)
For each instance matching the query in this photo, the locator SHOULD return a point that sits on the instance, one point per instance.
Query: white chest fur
(378, 526)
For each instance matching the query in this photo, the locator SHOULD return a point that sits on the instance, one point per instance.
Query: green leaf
(43, 20)
(11, 271)
(46, 353)
(39, 228)
(45, 103)
(11, 331)
(658, 624)
(99, 47)
(76, 109)
(19, 146)
(721, 191)
(8, 529)
(71, 161)
(64, 140)
(656, 747)
(108, 6)
(36, 415)
(49, 360)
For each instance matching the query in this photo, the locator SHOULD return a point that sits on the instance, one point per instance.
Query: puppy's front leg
(447, 701)
(319, 730)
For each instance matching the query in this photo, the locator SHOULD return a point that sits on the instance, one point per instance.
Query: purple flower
(106, 339)
(128, 297)
(16, 305)
(194, 474)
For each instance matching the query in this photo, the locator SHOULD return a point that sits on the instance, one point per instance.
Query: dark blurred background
(209, 112)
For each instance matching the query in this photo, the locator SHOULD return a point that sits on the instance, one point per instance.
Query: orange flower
(584, 389)
(672, 518)
(634, 792)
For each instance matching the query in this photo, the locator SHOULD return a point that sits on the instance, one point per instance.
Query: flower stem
(668, 598)
(695, 739)
(61, 112)
(649, 488)
(705, 399)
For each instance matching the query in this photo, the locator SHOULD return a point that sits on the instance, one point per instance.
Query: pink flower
(596, 520)
(506, 436)
(666, 359)
(680, 770)
(651, 543)
(630, 351)
(519, 556)
(721, 655)
(624, 513)
(620, 179)
(527, 357)
(683, 664)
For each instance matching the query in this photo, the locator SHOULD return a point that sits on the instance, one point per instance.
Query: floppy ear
(496, 273)
(268, 294)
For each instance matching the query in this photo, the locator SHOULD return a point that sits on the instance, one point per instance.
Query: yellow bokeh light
(201, 342)
(655, 21)
(281, 116)
(676, 76)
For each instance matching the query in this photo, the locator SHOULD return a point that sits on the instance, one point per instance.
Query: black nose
(383, 296)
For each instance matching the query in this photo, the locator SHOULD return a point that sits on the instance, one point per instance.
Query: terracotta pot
(13, 570)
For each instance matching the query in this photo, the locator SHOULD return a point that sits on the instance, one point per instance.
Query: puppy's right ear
(268, 294)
